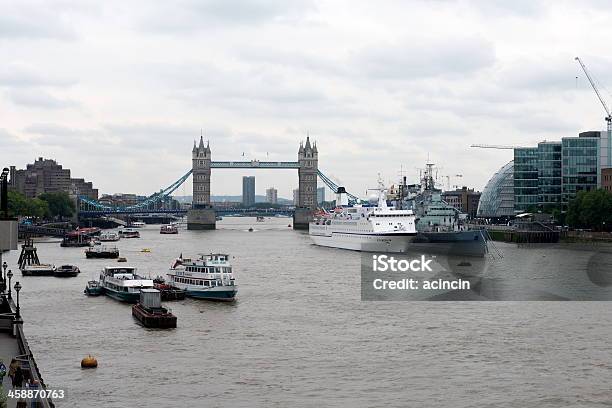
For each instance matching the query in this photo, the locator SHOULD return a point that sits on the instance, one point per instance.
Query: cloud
(414, 59)
(192, 15)
(19, 74)
(38, 98)
(34, 20)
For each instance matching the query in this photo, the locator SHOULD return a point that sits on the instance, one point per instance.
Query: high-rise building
(320, 195)
(248, 190)
(497, 199)
(296, 197)
(550, 175)
(525, 178)
(272, 195)
(46, 176)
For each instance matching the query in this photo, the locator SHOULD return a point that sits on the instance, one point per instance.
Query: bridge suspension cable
(334, 187)
(153, 198)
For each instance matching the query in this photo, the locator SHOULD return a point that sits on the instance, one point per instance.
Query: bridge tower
(201, 215)
(308, 158)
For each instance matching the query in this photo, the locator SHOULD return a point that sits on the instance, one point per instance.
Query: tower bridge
(202, 215)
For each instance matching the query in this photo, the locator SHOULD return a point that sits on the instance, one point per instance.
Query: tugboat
(123, 284)
(65, 271)
(102, 252)
(129, 233)
(208, 277)
(168, 229)
(76, 239)
(167, 291)
(150, 312)
(93, 288)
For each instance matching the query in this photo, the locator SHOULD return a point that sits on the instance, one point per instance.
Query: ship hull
(224, 293)
(366, 242)
(127, 297)
(463, 243)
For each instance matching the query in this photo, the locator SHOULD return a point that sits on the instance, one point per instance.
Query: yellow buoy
(145, 250)
(89, 362)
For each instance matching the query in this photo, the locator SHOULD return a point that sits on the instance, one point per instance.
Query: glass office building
(549, 175)
(581, 166)
(497, 198)
(525, 179)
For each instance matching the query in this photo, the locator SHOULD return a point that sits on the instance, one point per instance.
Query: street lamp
(4, 266)
(10, 275)
(17, 289)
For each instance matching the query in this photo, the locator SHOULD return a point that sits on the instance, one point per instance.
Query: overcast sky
(117, 91)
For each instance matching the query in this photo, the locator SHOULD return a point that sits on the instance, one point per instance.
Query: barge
(150, 312)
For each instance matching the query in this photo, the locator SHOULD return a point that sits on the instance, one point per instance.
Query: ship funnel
(341, 197)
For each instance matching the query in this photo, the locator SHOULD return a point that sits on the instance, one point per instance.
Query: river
(299, 334)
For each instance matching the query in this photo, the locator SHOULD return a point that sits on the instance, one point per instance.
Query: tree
(591, 209)
(20, 205)
(60, 204)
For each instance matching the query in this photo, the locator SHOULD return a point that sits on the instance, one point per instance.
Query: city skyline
(373, 84)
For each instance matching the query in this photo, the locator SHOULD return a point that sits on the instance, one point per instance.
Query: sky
(117, 91)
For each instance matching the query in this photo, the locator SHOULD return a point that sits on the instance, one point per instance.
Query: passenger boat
(137, 224)
(168, 229)
(93, 288)
(370, 227)
(102, 252)
(208, 277)
(66, 271)
(123, 284)
(109, 236)
(150, 312)
(38, 270)
(129, 233)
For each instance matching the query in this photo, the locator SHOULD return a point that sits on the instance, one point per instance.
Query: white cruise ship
(365, 228)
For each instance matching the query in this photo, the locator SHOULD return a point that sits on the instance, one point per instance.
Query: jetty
(13, 343)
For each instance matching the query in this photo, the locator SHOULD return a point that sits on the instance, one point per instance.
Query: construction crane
(486, 146)
(603, 103)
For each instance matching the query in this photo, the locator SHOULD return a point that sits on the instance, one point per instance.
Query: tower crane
(605, 106)
(603, 103)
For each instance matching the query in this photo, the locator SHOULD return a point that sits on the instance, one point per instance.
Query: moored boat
(151, 313)
(38, 270)
(260, 218)
(168, 292)
(129, 233)
(66, 271)
(93, 288)
(208, 277)
(102, 252)
(168, 229)
(137, 224)
(79, 238)
(109, 236)
(123, 284)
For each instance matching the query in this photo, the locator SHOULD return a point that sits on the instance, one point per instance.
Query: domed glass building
(497, 199)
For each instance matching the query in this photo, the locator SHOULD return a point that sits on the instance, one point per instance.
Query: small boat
(168, 229)
(102, 252)
(250, 229)
(137, 224)
(109, 236)
(129, 233)
(93, 288)
(168, 292)
(123, 284)
(260, 218)
(38, 270)
(145, 250)
(121, 259)
(150, 312)
(66, 271)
